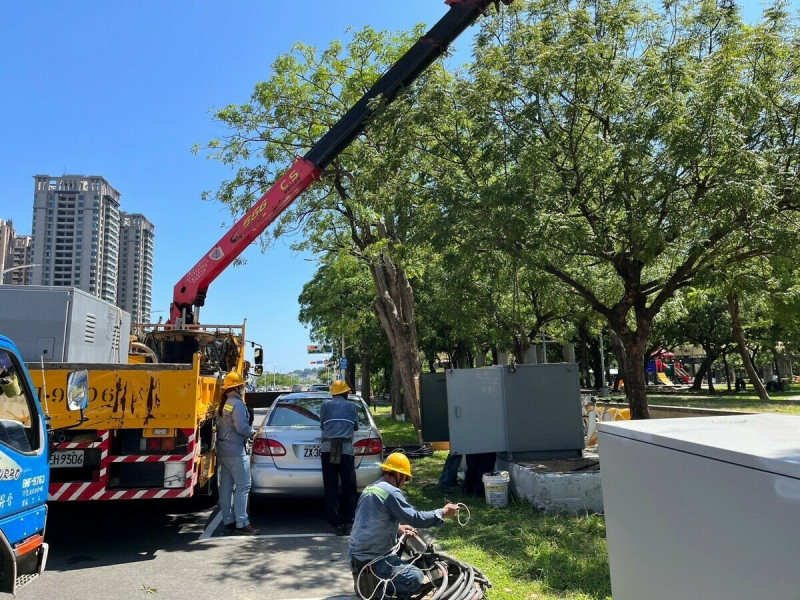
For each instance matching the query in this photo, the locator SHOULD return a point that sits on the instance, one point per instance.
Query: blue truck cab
(24, 472)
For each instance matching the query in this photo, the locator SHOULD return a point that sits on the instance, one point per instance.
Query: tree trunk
(775, 365)
(461, 356)
(395, 309)
(727, 368)
(397, 394)
(521, 345)
(366, 372)
(705, 370)
(738, 335)
(697, 384)
(622, 362)
(635, 344)
(635, 382)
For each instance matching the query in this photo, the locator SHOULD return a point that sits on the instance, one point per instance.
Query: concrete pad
(562, 486)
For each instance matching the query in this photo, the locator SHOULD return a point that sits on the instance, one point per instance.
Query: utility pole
(604, 388)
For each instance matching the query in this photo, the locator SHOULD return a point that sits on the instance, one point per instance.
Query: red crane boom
(191, 290)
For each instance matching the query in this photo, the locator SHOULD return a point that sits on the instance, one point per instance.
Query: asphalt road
(176, 550)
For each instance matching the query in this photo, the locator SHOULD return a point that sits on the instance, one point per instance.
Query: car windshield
(299, 412)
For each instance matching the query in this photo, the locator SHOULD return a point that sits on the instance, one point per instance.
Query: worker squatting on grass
(382, 514)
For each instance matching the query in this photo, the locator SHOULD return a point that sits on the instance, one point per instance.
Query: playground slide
(664, 379)
(682, 374)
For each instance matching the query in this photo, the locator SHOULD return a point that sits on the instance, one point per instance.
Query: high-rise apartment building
(76, 234)
(23, 255)
(135, 285)
(6, 249)
(15, 253)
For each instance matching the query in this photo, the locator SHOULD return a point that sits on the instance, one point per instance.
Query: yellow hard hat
(232, 379)
(397, 461)
(339, 387)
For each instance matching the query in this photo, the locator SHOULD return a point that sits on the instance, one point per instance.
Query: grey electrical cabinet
(702, 507)
(63, 324)
(433, 407)
(525, 412)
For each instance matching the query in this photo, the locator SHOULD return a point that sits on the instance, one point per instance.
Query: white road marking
(207, 534)
(212, 526)
(217, 519)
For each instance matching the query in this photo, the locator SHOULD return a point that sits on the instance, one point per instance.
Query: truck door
(24, 474)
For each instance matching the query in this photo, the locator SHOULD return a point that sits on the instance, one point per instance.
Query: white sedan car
(285, 460)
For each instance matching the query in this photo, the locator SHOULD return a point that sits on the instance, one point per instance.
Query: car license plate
(66, 458)
(311, 452)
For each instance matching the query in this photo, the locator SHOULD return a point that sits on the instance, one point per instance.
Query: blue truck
(24, 468)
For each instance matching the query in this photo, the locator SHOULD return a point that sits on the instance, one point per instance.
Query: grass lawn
(779, 402)
(525, 554)
(528, 555)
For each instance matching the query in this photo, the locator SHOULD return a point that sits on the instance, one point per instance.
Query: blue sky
(124, 89)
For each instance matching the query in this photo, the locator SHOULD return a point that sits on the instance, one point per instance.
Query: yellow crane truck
(147, 431)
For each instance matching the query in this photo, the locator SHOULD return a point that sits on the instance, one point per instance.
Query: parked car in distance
(285, 461)
(297, 387)
(320, 387)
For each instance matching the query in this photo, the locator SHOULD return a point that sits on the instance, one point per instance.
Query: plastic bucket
(495, 486)
(10, 386)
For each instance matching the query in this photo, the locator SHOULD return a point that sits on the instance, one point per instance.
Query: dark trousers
(449, 476)
(477, 465)
(339, 513)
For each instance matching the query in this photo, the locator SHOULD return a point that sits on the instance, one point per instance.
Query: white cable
(458, 514)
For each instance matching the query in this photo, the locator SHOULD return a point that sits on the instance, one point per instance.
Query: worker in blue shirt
(382, 515)
(233, 464)
(338, 419)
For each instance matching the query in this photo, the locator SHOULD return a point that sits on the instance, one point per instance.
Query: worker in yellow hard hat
(338, 419)
(382, 514)
(233, 464)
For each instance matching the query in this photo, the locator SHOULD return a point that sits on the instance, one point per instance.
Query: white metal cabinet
(703, 508)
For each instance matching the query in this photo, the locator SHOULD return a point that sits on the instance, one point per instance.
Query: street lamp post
(18, 267)
(604, 387)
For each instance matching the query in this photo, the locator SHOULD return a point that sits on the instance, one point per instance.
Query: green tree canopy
(635, 149)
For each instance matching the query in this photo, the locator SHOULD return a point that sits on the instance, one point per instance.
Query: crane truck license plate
(66, 458)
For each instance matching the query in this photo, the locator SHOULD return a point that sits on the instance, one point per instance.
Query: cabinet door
(543, 408)
(475, 410)
(433, 407)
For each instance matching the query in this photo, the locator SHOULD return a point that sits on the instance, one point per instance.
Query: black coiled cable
(450, 578)
(415, 451)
